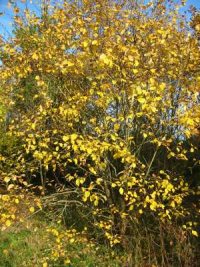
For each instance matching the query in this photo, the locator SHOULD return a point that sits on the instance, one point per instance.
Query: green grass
(30, 245)
(28, 248)
(18, 249)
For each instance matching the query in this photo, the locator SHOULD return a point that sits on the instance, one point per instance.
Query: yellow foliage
(102, 102)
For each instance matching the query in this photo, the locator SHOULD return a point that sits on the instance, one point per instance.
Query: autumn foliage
(99, 104)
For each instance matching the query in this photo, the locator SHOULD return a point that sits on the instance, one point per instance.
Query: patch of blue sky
(189, 3)
(195, 3)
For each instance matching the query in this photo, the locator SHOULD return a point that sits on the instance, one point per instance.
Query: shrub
(103, 97)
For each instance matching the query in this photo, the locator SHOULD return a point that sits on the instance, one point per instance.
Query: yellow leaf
(136, 63)
(85, 44)
(131, 207)
(33, 126)
(10, 186)
(65, 138)
(107, 61)
(195, 233)
(5, 251)
(6, 179)
(141, 100)
(32, 209)
(74, 137)
(17, 201)
(87, 193)
(5, 198)
(94, 42)
(67, 261)
(8, 223)
(35, 56)
(131, 58)
(71, 240)
(172, 204)
(68, 63)
(153, 205)
(144, 135)
(121, 191)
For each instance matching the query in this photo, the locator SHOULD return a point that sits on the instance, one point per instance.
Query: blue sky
(5, 20)
(194, 2)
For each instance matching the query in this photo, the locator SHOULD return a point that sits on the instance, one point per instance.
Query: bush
(103, 98)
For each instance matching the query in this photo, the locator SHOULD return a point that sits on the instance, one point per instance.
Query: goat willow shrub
(104, 94)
